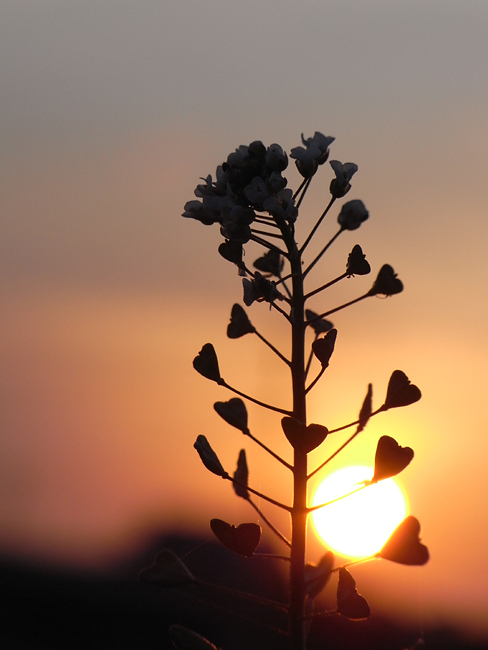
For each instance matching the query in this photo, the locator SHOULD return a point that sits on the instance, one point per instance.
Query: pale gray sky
(111, 64)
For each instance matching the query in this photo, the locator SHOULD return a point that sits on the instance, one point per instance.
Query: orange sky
(107, 293)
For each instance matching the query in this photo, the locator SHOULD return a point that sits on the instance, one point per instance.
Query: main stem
(299, 513)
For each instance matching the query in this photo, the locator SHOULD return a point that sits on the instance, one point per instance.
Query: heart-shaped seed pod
(243, 540)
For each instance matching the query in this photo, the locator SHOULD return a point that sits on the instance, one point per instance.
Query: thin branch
(270, 451)
(370, 558)
(322, 505)
(264, 232)
(322, 370)
(314, 229)
(282, 311)
(271, 556)
(248, 271)
(286, 277)
(269, 524)
(325, 286)
(352, 424)
(310, 357)
(267, 244)
(346, 426)
(332, 311)
(305, 180)
(242, 594)
(350, 439)
(252, 399)
(358, 430)
(272, 347)
(307, 185)
(266, 222)
(258, 494)
(285, 286)
(323, 614)
(233, 612)
(322, 252)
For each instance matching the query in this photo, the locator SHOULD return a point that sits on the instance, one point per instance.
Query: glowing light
(360, 524)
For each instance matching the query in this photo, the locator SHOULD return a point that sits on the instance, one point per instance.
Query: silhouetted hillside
(56, 609)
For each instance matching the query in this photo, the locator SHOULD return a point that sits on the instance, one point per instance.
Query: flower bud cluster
(249, 181)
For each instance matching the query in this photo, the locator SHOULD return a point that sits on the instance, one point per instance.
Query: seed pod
(209, 457)
(242, 475)
(207, 364)
(400, 391)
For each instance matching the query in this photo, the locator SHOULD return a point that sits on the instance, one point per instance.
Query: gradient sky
(111, 111)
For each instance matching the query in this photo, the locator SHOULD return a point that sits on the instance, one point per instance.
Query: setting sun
(360, 524)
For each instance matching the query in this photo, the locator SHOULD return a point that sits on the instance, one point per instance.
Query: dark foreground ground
(48, 609)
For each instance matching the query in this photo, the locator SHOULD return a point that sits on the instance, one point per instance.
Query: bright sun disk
(359, 525)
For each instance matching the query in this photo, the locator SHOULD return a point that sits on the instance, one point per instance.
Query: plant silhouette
(250, 202)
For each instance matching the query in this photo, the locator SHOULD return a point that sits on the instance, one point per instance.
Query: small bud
(276, 158)
(276, 182)
(239, 323)
(235, 224)
(386, 283)
(242, 475)
(400, 391)
(307, 167)
(357, 264)
(206, 363)
(352, 215)
(197, 210)
(237, 158)
(209, 457)
(257, 149)
(282, 206)
(256, 192)
(366, 408)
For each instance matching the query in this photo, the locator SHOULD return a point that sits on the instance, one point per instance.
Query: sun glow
(359, 525)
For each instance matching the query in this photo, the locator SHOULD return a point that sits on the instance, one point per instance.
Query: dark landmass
(45, 608)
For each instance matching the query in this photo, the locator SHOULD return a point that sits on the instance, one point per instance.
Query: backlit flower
(314, 152)
(257, 191)
(236, 159)
(340, 185)
(276, 158)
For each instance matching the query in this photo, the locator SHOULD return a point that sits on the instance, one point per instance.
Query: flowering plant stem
(250, 189)
(296, 611)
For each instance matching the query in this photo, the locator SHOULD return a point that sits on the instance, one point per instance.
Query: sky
(111, 112)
